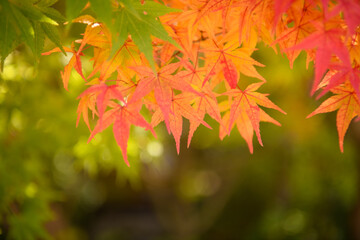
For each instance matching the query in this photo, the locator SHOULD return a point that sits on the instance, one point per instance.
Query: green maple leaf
(28, 22)
(141, 21)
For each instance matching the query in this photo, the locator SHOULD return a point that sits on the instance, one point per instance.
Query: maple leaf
(192, 73)
(351, 10)
(103, 94)
(74, 62)
(180, 107)
(339, 74)
(203, 101)
(96, 34)
(122, 117)
(99, 95)
(28, 22)
(127, 54)
(246, 113)
(102, 8)
(140, 21)
(125, 83)
(326, 42)
(302, 17)
(73, 9)
(354, 47)
(162, 83)
(281, 6)
(216, 5)
(86, 102)
(231, 59)
(347, 103)
(166, 53)
(254, 22)
(91, 36)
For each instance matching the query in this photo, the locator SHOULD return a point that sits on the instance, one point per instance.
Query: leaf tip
(310, 115)
(124, 154)
(341, 147)
(341, 144)
(178, 147)
(126, 162)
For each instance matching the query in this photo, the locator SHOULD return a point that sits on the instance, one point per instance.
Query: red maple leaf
(280, 7)
(122, 117)
(326, 42)
(351, 10)
(163, 82)
(338, 74)
(103, 94)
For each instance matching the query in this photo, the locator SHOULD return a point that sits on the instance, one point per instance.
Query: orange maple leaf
(74, 62)
(122, 117)
(163, 82)
(180, 107)
(302, 16)
(103, 94)
(231, 60)
(347, 103)
(245, 112)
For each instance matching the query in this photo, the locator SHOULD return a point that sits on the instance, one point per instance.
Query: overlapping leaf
(163, 83)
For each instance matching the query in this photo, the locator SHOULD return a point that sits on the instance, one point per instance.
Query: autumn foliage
(184, 59)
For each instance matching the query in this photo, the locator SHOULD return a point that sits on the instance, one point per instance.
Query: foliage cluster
(165, 60)
(184, 59)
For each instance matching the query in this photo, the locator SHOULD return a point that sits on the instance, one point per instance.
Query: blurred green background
(55, 185)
